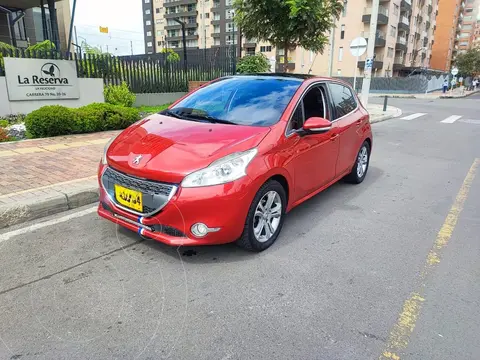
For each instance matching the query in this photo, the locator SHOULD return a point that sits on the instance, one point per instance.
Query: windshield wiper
(173, 114)
(209, 118)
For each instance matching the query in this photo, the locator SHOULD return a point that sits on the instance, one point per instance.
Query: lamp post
(185, 63)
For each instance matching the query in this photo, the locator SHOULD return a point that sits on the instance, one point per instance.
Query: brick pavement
(41, 163)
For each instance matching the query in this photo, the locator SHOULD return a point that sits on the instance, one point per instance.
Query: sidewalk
(457, 93)
(45, 176)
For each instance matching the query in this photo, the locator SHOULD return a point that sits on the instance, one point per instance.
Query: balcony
(180, 38)
(216, 34)
(404, 23)
(427, 24)
(398, 62)
(181, 14)
(179, 27)
(401, 43)
(250, 43)
(382, 18)
(376, 65)
(178, 2)
(406, 5)
(379, 38)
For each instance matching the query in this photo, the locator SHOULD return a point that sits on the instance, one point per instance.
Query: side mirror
(316, 125)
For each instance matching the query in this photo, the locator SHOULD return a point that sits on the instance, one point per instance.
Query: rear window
(255, 101)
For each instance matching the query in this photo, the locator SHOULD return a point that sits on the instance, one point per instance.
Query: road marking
(413, 116)
(451, 119)
(28, 229)
(403, 328)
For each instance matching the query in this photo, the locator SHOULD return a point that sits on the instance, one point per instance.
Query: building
(24, 23)
(403, 43)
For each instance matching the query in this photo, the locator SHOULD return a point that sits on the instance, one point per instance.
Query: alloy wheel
(267, 216)
(362, 161)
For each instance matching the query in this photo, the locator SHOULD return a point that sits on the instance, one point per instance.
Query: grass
(152, 109)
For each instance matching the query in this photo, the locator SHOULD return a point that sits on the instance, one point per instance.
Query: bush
(51, 121)
(101, 117)
(119, 95)
(4, 136)
(4, 123)
(59, 120)
(251, 64)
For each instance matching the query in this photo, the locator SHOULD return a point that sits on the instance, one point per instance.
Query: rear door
(349, 119)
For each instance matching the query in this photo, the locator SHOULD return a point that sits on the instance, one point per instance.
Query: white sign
(41, 79)
(369, 63)
(358, 46)
(454, 71)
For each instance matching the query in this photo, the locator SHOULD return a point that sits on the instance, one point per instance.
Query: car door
(314, 156)
(349, 119)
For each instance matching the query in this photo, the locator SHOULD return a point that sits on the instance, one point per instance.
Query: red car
(226, 162)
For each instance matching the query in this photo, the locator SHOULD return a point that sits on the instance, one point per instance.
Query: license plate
(129, 198)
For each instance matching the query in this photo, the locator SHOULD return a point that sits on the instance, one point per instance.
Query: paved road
(355, 270)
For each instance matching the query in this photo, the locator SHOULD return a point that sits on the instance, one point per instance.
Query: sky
(123, 18)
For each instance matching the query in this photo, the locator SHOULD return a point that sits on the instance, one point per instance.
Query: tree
(43, 46)
(251, 64)
(172, 55)
(287, 24)
(469, 63)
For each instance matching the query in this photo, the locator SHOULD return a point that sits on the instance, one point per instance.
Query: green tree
(287, 24)
(469, 63)
(251, 64)
(44, 46)
(172, 55)
(6, 47)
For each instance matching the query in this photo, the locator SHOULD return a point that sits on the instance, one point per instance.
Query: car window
(343, 100)
(296, 122)
(312, 105)
(245, 100)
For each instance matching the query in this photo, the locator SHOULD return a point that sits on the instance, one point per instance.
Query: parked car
(226, 162)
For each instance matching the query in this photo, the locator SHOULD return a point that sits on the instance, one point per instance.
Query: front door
(315, 155)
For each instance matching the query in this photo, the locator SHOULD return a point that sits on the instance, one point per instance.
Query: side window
(343, 100)
(312, 105)
(297, 119)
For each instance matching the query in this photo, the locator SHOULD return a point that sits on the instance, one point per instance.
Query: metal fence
(151, 73)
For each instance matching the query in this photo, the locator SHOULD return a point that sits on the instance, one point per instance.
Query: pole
(370, 51)
(185, 63)
(355, 77)
(131, 47)
(385, 103)
(72, 21)
(76, 38)
(332, 49)
(44, 20)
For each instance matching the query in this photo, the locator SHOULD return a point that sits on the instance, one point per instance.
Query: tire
(249, 240)
(357, 176)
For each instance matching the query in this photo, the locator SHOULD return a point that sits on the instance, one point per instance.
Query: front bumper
(221, 206)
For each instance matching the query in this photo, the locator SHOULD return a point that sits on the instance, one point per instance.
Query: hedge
(59, 120)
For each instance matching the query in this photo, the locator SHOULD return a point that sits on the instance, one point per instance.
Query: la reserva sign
(41, 79)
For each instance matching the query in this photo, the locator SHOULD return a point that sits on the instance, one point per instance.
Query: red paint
(172, 148)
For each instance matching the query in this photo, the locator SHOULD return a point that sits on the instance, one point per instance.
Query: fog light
(201, 230)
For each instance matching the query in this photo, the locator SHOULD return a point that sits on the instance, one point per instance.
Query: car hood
(167, 149)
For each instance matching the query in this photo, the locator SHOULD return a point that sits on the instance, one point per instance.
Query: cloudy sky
(123, 18)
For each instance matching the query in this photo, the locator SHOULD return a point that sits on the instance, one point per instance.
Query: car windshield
(248, 100)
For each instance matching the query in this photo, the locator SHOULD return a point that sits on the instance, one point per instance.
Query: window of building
(147, 1)
(339, 72)
(229, 2)
(191, 32)
(344, 11)
(148, 23)
(340, 54)
(149, 44)
(342, 32)
(393, 31)
(207, 15)
(230, 27)
(216, 42)
(157, 10)
(216, 29)
(149, 33)
(250, 51)
(390, 52)
(229, 14)
(173, 44)
(159, 32)
(147, 12)
(159, 21)
(192, 19)
(395, 9)
(192, 43)
(265, 48)
(343, 100)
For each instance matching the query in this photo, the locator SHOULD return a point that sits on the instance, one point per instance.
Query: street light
(184, 43)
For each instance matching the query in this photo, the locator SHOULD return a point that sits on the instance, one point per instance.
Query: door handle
(358, 122)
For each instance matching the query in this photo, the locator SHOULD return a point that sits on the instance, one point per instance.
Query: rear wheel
(360, 168)
(265, 217)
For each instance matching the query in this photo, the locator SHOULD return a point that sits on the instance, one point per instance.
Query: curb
(461, 96)
(34, 205)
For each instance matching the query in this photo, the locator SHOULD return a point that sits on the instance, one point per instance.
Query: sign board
(358, 46)
(104, 30)
(369, 64)
(41, 79)
(454, 71)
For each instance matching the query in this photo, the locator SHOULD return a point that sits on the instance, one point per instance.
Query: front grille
(155, 195)
(168, 230)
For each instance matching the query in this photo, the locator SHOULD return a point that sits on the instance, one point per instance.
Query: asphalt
(332, 287)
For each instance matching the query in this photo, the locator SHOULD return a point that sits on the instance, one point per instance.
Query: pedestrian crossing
(451, 119)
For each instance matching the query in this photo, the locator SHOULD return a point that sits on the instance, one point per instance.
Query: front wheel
(265, 217)
(359, 170)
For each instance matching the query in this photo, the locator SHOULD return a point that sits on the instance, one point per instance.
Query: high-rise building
(403, 43)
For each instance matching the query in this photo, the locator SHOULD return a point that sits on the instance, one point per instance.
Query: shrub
(119, 95)
(51, 121)
(4, 136)
(100, 117)
(3, 123)
(251, 64)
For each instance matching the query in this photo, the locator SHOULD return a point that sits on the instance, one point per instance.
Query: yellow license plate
(129, 198)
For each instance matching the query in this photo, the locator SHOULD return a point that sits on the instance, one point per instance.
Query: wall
(155, 99)
(91, 90)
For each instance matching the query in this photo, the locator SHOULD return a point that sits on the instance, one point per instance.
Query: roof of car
(299, 77)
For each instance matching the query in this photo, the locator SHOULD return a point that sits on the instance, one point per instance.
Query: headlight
(227, 169)
(104, 157)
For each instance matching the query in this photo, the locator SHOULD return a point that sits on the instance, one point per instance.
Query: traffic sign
(358, 46)
(454, 71)
(369, 63)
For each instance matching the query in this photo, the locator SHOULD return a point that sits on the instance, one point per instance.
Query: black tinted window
(256, 101)
(343, 100)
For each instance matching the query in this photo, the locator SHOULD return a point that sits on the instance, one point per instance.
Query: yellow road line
(47, 187)
(403, 328)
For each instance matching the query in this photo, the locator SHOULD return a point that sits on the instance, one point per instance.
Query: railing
(404, 20)
(401, 40)
(381, 10)
(378, 34)
(398, 60)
